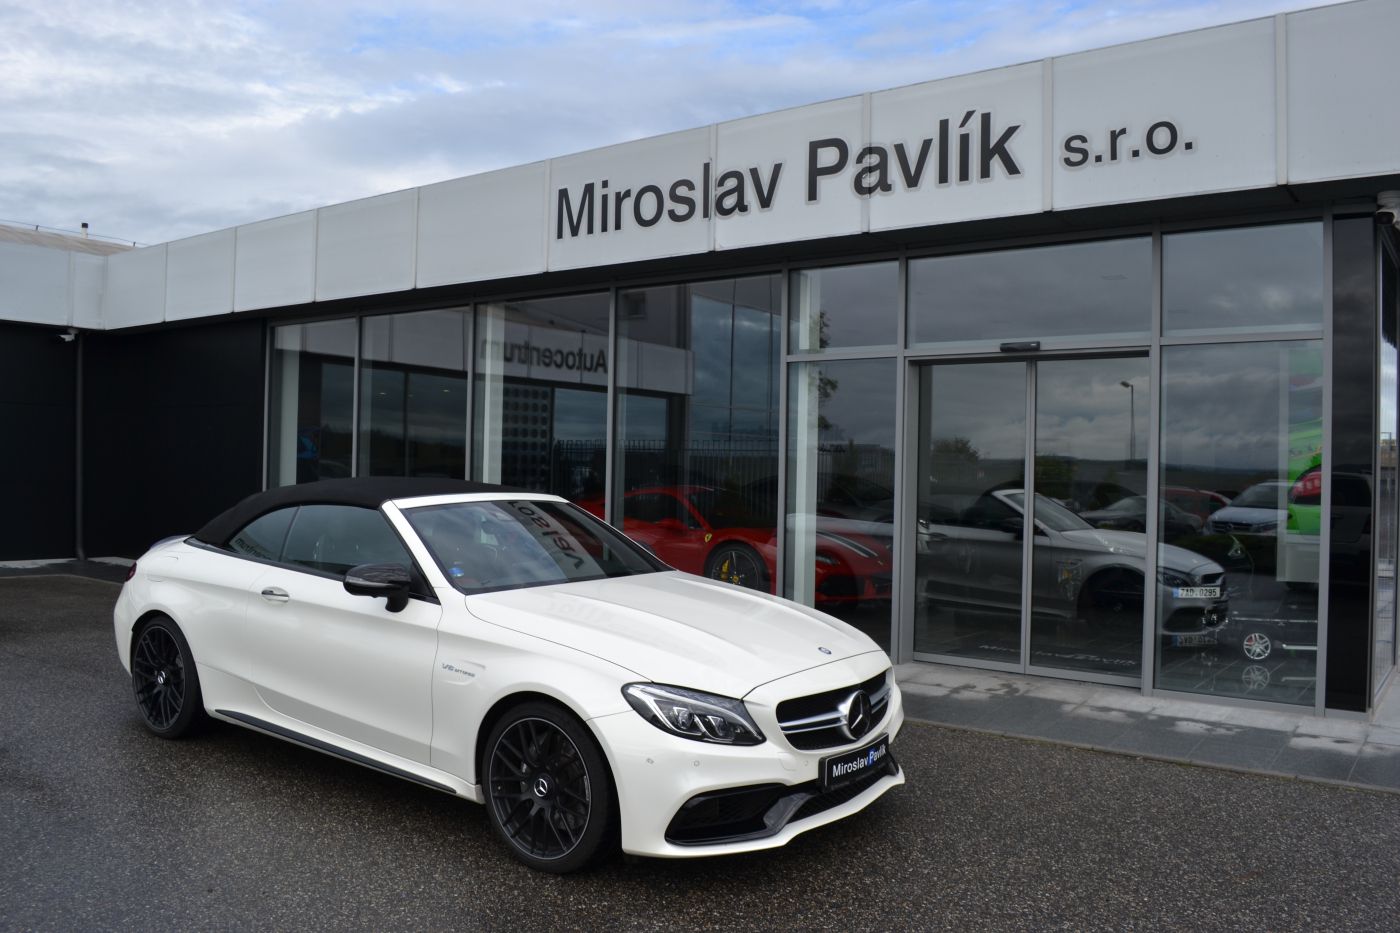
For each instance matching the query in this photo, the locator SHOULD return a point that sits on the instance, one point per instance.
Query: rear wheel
(549, 793)
(738, 564)
(164, 679)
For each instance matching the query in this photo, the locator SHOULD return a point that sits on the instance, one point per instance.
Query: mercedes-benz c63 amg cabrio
(511, 649)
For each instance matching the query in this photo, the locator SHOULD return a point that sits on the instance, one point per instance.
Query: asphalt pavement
(104, 827)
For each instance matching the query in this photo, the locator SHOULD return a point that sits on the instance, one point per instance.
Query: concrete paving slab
(1331, 765)
(1223, 750)
(1377, 765)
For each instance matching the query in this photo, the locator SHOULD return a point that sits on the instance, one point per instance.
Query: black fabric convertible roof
(368, 492)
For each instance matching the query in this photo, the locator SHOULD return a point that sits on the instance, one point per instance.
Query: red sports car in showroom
(714, 533)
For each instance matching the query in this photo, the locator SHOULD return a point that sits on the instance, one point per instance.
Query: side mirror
(390, 580)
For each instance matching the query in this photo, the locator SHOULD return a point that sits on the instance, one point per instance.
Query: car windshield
(1050, 513)
(506, 544)
(725, 509)
(1263, 496)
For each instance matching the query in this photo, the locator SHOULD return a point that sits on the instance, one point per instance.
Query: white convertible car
(509, 648)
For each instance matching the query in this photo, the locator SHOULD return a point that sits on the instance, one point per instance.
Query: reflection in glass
(1243, 278)
(413, 395)
(840, 521)
(312, 402)
(1245, 422)
(1101, 289)
(698, 426)
(845, 306)
(1089, 548)
(970, 503)
(541, 394)
(1383, 648)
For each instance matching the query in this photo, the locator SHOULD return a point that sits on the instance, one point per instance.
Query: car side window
(263, 537)
(334, 538)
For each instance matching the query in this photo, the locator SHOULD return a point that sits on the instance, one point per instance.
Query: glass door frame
(914, 412)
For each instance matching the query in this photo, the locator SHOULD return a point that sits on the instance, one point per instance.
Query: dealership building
(965, 363)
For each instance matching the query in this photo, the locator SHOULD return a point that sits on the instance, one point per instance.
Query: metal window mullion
(1324, 546)
(469, 364)
(1154, 472)
(355, 398)
(780, 571)
(902, 535)
(1028, 516)
(269, 336)
(610, 503)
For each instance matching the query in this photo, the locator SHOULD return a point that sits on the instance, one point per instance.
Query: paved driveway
(103, 826)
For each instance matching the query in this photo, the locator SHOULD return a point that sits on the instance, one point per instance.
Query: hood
(678, 629)
(1248, 515)
(1133, 544)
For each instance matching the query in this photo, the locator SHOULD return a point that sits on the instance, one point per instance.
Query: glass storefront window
(845, 307)
(840, 509)
(541, 394)
(1383, 632)
(413, 395)
(1243, 422)
(697, 458)
(1243, 279)
(1100, 290)
(312, 401)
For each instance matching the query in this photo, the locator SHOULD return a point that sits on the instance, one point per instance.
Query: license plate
(1196, 592)
(1193, 641)
(839, 770)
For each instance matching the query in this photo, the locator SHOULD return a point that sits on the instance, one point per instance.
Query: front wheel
(549, 793)
(164, 680)
(1257, 646)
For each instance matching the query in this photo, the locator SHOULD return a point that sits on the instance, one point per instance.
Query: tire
(549, 793)
(164, 680)
(739, 564)
(1256, 645)
(1108, 596)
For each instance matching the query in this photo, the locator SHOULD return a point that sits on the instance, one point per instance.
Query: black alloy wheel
(549, 793)
(738, 564)
(164, 680)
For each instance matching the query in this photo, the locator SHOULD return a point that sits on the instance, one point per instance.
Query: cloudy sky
(153, 121)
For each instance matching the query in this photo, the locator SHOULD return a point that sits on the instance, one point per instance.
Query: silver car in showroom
(970, 547)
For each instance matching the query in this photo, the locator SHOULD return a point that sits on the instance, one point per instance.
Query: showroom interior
(944, 361)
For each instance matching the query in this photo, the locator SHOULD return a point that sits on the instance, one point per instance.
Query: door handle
(274, 594)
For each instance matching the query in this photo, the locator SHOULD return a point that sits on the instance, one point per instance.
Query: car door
(345, 664)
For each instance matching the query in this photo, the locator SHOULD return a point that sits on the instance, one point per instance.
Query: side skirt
(282, 732)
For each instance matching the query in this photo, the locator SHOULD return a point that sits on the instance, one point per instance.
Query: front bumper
(657, 775)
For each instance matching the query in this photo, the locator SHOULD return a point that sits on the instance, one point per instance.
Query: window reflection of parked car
(1130, 514)
(970, 548)
(1351, 518)
(1259, 510)
(714, 533)
(857, 498)
(1201, 503)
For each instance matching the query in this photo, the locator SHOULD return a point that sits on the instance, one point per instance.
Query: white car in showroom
(509, 648)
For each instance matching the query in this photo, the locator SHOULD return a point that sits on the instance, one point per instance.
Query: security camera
(68, 336)
(1388, 209)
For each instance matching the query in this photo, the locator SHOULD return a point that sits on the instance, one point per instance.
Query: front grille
(744, 813)
(815, 722)
(1212, 579)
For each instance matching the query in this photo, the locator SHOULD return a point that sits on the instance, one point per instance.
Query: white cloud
(158, 120)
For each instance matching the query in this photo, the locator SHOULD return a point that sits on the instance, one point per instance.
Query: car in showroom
(719, 534)
(509, 648)
(970, 546)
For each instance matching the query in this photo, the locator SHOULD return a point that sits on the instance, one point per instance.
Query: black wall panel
(172, 431)
(38, 442)
(1353, 448)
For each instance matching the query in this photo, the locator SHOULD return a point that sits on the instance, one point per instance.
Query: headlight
(691, 714)
(1171, 578)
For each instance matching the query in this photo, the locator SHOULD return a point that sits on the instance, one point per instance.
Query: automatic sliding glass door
(1078, 429)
